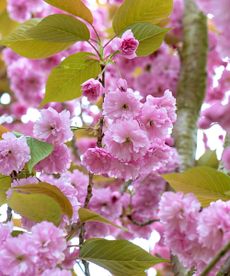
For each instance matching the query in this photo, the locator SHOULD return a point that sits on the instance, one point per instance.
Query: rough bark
(192, 83)
(190, 91)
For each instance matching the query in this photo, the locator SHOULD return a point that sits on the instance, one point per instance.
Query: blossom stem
(216, 259)
(91, 175)
(142, 224)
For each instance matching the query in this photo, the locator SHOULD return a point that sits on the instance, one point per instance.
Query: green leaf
(207, 184)
(209, 158)
(49, 190)
(23, 44)
(75, 7)
(5, 183)
(120, 257)
(7, 25)
(36, 207)
(60, 28)
(86, 215)
(64, 82)
(136, 11)
(149, 36)
(38, 151)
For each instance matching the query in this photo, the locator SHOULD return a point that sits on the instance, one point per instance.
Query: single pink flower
(125, 140)
(14, 153)
(129, 45)
(53, 127)
(92, 89)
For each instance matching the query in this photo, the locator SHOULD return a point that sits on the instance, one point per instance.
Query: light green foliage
(64, 82)
(38, 151)
(136, 11)
(86, 215)
(5, 182)
(149, 36)
(60, 28)
(40, 202)
(206, 183)
(209, 159)
(75, 7)
(120, 257)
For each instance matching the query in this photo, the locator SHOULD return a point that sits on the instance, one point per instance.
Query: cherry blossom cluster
(43, 251)
(195, 235)
(134, 134)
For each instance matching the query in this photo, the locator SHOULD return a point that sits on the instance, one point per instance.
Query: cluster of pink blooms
(195, 235)
(135, 131)
(43, 251)
(54, 128)
(138, 114)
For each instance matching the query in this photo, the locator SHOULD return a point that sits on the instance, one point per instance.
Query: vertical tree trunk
(191, 91)
(192, 83)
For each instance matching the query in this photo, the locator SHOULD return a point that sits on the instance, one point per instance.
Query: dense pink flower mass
(111, 147)
(190, 231)
(14, 153)
(32, 253)
(53, 127)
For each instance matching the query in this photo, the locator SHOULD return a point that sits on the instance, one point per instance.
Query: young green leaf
(47, 189)
(209, 158)
(36, 207)
(75, 7)
(206, 183)
(120, 257)
(7, 25)
(64, 82)
(60, 28)
(149, 36)
(23, 44)
(86, 215)
(136, 11)
(38, 151)
(5, 183)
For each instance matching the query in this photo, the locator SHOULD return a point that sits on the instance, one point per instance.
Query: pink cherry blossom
(14, 153)
(129, 45)
(57, 162)
(97, 160)
(18, 256)
(214, 225)
(53, 127)
(92, 89)
(119, 104)
(125, 140)
(50, 243)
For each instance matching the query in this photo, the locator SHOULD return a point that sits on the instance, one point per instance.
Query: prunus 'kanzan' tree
(100, 108)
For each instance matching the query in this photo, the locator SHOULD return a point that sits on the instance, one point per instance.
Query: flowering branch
(216, 259)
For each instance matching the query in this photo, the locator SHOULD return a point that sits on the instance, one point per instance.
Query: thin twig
(95, 49)
(142, 224)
